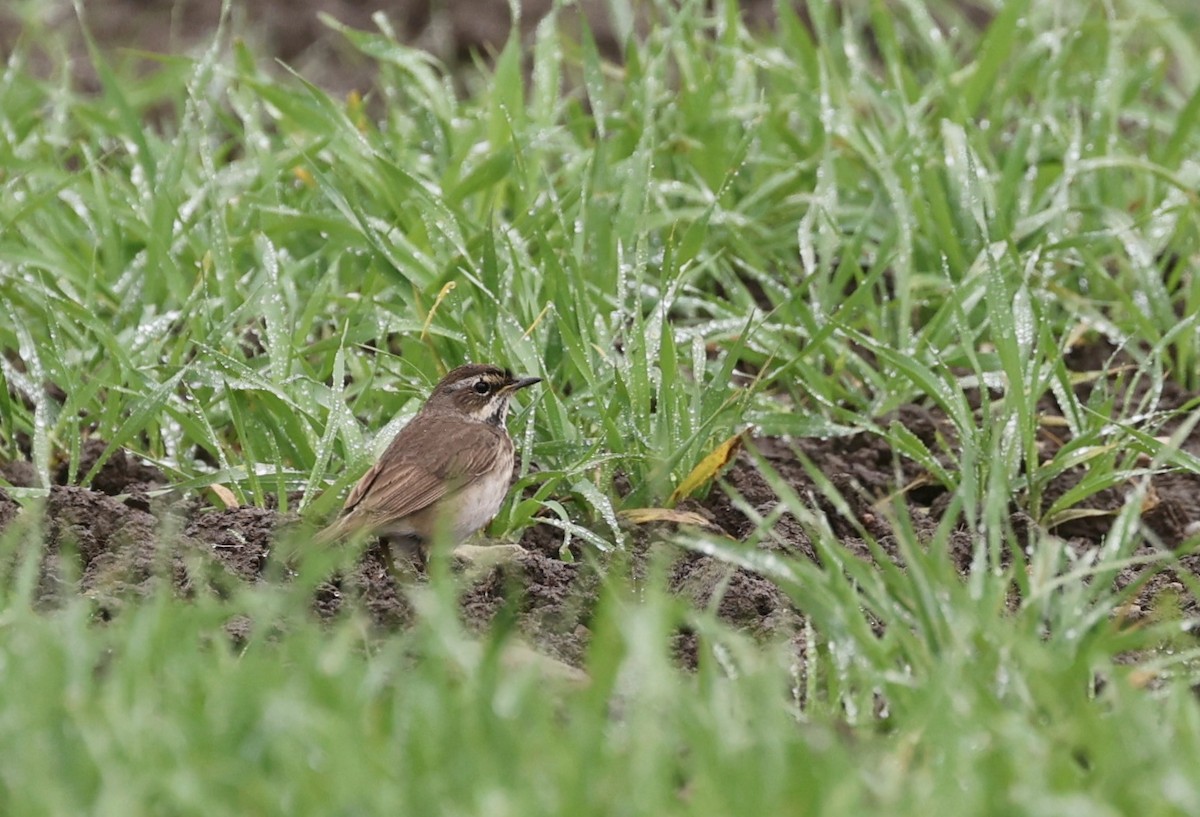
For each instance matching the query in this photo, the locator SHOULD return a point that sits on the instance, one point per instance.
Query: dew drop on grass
(851, 708)
(1142, 301)
(152, 330)
(171, 432)
(828, 114)
(699, 364)
(77, 205)
(602, 505)
(137, 176)
(1010, 442)
(1023, 320)
(808, 253)
(1002, 681)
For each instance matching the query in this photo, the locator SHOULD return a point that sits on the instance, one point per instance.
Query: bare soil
(295, 35)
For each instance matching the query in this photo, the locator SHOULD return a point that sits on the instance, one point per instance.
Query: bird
(446, 473)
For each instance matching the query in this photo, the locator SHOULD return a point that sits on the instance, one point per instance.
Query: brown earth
(453, 30)
(295, 35)
(107, 541)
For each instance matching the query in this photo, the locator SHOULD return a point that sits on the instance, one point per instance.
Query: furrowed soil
(118, 539)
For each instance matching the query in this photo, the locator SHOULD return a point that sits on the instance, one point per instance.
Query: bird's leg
(413, 554)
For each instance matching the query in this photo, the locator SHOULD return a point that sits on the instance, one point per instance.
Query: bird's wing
(451, 453)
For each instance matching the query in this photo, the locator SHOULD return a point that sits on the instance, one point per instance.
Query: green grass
(272, 279)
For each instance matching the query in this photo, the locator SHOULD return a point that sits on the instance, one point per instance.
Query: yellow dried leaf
(304, 176)
(355, 111)
(1091, 376)
(441, 296)
(646, 516)
(708, 468)
(1142, 678)
(1151, 500)
(225, 496)
(1071, 514)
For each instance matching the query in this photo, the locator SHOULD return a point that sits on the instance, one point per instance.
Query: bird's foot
(479, 558)
(402, 559)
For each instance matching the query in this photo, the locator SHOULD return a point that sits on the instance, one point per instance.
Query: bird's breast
(477, 503)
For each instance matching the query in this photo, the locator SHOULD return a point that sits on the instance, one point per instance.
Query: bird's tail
(335, 530)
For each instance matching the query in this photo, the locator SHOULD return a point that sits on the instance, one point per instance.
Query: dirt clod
(120, 472)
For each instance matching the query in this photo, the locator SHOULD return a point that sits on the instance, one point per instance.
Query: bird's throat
(496, 417)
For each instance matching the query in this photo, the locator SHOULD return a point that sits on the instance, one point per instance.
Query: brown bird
(446, 472)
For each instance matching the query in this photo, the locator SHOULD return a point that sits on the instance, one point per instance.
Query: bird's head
(478, 390)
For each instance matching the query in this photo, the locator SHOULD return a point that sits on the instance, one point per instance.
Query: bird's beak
(522, 382)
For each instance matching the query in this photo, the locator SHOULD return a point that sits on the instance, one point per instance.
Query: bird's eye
(482, 387)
